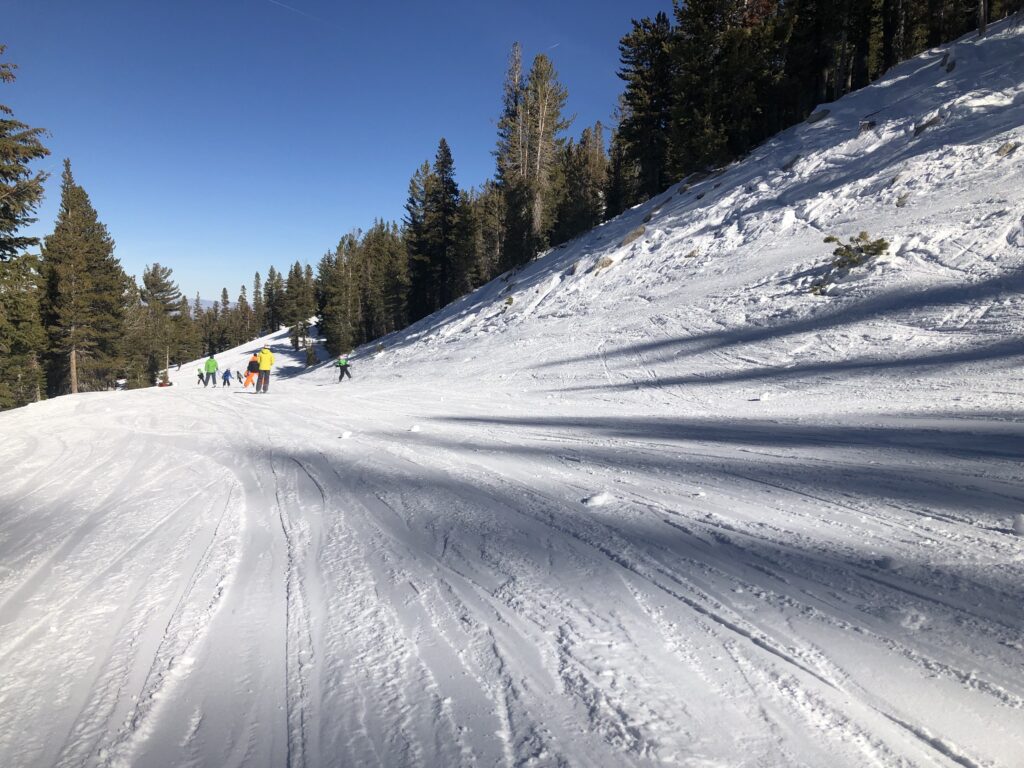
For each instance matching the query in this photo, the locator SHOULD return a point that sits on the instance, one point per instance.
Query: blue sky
(218, 137)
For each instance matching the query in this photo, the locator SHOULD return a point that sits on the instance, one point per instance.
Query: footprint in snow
(597, 500)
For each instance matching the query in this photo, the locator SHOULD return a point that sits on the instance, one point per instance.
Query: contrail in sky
(296, 10)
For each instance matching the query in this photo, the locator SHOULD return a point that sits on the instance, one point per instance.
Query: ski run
(646, 501)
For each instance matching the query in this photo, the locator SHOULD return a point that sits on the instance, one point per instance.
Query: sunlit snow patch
(598, 499)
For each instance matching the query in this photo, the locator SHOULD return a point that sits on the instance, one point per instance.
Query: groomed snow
(674, 510)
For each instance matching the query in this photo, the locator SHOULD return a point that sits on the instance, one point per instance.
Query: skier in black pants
(343, 370)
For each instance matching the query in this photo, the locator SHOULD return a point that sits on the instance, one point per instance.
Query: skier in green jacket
(211, 371)
(343, 370)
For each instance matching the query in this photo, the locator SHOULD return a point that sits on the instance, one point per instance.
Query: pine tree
(338, 303)
(331, 305)
(699, 137)
(584, 168)
(244, 316)
(85, 296)
(489, 216)
(20, 190)
(469, 270)
(421, 296)
(143, 337)
(295, 308)
(396, 282)
(529, 141)
(161, 296)
(159, 291)
(545, 100)
(728, 60)
(308, 292)
(273, 300)
(22, 337)
(258, 307)
(440, 222)
(623, 179)
(644, 132)
(513, 160)
(187, 343)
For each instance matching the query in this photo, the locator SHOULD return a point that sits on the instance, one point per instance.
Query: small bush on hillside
(1008, 149)
(857, 251)
(634, 234)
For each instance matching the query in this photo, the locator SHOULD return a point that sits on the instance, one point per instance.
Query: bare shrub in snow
(1008, 149)
(634, 234)
(924, 126)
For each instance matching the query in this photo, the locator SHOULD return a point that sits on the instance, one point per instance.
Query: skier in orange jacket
(251, 370)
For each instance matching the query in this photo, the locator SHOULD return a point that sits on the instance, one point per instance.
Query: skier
(343, 370)
(252, 369)
(266, 362)
(238, 376)
(225, 378)
(211, 371)
(199, 372)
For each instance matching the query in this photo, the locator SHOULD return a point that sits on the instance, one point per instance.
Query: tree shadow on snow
(487, 531)
(845, 312)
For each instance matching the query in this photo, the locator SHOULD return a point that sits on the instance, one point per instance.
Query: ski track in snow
(671, 511)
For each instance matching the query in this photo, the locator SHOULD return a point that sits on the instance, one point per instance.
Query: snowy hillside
(647, 501)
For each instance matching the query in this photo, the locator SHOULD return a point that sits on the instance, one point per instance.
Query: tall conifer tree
(421, 286)
(645, 55)
(21, 190)
(85, 295)
(441, 221)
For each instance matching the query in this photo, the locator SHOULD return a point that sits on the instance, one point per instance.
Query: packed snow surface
(646, 501)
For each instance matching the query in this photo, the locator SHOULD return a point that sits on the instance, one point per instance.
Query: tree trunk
(982, 17)
(38, 378)
(74, 371)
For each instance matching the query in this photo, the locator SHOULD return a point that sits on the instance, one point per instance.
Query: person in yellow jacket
(266, 361)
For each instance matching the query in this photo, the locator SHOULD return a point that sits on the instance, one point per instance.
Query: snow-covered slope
(639, 503)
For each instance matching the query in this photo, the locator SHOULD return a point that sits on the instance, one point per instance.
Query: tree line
(707, 85)
(703, 85)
